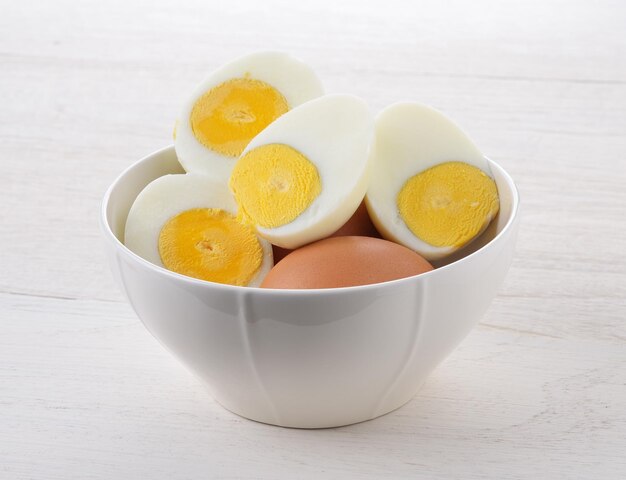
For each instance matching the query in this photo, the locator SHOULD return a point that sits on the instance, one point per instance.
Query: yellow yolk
(448, 204)
(229, 115)
(210, 244)
(273, 184)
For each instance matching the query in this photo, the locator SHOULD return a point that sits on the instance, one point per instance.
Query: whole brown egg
(345, 262)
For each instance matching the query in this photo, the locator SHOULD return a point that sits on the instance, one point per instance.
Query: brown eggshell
(345, 262)
(279, 253)
(359, 224)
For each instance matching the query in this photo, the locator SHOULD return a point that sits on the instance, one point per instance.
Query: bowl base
(318, 424)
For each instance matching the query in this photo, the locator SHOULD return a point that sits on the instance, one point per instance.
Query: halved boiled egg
(236, 102)
(432, 189)
(303, 177)
(188, 224)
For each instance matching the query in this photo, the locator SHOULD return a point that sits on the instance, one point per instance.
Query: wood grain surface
(538, 389)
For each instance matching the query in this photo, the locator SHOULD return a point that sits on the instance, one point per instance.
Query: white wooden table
(538, 390)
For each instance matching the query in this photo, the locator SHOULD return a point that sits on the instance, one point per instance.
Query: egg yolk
(229, 115)
(273, 184)
(210, 244)
(448, 204)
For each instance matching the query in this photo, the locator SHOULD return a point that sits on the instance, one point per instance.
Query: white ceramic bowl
(309, 358)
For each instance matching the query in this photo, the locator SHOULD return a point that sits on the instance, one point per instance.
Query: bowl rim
(158, 270)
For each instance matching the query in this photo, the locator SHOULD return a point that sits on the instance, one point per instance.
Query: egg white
(333, 132)
(170, 195)
(295, 80)
(410, 138)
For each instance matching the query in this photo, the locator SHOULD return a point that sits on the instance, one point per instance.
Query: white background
(538, 389)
